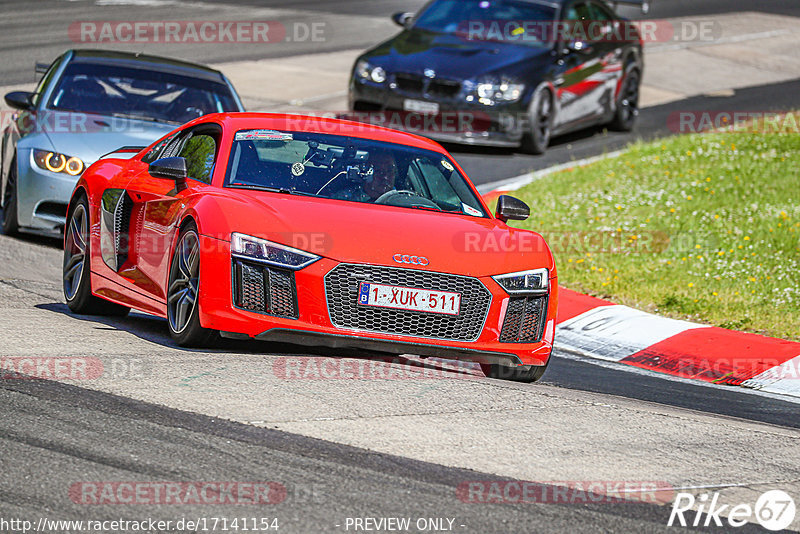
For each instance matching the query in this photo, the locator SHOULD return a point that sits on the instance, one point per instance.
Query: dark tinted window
(139, 94)
(350, 169)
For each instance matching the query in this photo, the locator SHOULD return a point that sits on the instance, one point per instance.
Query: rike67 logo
(774, 510)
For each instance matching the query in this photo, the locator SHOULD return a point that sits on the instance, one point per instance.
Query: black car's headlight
(57, 162)
(533, 281)
(254, 248)
(365, 71)
(494, 91)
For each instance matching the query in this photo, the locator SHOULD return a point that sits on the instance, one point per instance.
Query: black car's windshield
(347, 168)
(492, 20)
(139, 94)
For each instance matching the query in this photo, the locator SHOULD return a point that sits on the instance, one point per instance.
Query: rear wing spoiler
(129, 150)
(644, 4)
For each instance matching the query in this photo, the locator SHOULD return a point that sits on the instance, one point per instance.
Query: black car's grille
(525, 318)
(415, 84)
(264, 289)
(341, 291)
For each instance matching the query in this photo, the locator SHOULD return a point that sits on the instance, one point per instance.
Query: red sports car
(312, 231)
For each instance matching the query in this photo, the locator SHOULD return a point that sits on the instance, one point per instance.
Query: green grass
(703, 227)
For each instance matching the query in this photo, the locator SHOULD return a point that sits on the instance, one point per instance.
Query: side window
(600, 13)
(200, 153)
(45, 81)
(155, 152)
(579, 12)
(438, 185)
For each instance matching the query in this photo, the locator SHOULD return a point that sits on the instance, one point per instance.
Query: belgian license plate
(421, 106)
(409, 298)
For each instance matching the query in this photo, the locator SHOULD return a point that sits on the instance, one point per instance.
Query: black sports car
(515, 72)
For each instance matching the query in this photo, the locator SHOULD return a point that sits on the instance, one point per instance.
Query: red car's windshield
(347, 168)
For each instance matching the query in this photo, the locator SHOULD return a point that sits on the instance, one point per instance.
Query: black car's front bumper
(458, 120)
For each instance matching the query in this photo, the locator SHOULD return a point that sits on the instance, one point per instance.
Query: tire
(76, 280)
(520, 373)
(628, 105)
(539, 129)
(10, 221)
(183, 310)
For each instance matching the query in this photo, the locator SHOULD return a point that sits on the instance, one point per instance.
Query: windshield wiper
(142, 118)
(284, 190)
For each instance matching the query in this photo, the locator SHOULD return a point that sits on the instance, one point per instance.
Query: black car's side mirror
(171, 169)
(510, 208)
(20, 100)
(403, 19)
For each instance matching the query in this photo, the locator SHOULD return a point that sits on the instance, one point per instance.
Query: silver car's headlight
(254, 248)
(533, 281)
(366, 71)
(56, 162)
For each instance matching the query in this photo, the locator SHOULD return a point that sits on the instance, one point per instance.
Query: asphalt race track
(357, 448)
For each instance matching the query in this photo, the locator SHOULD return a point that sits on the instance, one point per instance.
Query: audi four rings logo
(413, 260)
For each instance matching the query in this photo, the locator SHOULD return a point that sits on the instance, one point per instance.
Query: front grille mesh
(524, 322)
(264, 289)
(341, 291)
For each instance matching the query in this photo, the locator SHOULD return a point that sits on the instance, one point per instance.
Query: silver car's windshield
(139, 94)
(351, 169)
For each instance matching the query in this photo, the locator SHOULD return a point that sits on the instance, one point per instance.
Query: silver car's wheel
(75, 251)
(182, 294)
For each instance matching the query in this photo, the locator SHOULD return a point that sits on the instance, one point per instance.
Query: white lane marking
(783, 379)
(566, 354)
(723, 40)
(512, 184)
(616, 332)
(317, 98)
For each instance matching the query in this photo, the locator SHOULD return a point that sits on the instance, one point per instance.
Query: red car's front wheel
(183, 309)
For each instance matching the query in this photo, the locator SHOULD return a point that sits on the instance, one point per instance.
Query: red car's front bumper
(313, 325)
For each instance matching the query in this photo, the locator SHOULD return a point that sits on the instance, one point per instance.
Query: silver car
(87, 104)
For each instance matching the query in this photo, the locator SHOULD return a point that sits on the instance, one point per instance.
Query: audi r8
(313, 231)
(87, 103)
(510, 73)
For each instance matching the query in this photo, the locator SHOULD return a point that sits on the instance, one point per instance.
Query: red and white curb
(601, 330)
(596, 328)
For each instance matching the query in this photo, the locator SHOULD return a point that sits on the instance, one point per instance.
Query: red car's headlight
(533, 281)
(258, 249)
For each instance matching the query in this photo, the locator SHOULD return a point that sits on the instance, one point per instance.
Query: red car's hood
(364, 233)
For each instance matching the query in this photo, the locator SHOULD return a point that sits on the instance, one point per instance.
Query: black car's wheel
(10, 221)
(627, 105)
(540, 123)
(183, 313)
(76, 279)
(520, 373)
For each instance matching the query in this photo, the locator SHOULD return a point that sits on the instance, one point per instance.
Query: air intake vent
(264, 289)
(524, 322)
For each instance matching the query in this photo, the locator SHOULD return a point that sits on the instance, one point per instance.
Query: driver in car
(384, 174)
(381, 180)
